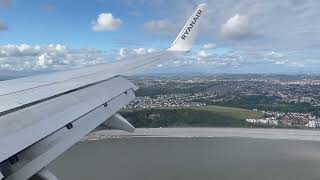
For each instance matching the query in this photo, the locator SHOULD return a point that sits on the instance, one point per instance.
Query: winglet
(188, 34)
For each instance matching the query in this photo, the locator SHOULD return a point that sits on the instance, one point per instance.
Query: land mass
(290, 101)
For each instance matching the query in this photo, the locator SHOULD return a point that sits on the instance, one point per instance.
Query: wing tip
(188, 34)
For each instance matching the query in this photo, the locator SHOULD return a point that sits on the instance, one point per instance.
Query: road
(286, 134)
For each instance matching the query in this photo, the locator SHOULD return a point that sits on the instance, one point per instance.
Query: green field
(232, 112)
(206, 116)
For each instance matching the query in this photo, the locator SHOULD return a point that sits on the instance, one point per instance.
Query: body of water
(220, 158)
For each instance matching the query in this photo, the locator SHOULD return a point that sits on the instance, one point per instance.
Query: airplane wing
(42, 116)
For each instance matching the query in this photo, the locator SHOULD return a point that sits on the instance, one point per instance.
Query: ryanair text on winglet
(191, 25)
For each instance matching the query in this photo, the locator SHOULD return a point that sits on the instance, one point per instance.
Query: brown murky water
(189, 159)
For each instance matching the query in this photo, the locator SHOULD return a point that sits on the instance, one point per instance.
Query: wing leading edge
(42, 116)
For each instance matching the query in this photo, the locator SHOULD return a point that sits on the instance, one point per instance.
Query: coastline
(276, 134)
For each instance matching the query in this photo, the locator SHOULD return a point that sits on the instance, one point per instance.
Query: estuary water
(167, 158)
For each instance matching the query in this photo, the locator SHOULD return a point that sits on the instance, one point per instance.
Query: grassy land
(208, 116)
(232, 112)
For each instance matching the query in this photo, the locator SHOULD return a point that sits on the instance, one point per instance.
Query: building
(313, 124)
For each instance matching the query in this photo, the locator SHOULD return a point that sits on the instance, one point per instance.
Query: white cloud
(44, 60)
(140, 51)
(151, 50)
(273, 54)
(203, 54)
(123, 52)
(280, 62)
(28, 50)
(209, 46)
(106, 22)
(161, 27)
(58, 47)
(28, 58)
(236, 27)
(296, 64)
(176, 62)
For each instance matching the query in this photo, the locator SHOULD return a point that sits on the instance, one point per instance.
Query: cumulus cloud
(280, 62)
(236, 27)
(209, 46)
(32, 58)
(234, 61)
(3, 26)
(11, 50)
(273, 54)
(140, 51)
(106, 22)
(151, 50)
(203, 54)
(160, 27)
(125, 52)
(44, 60)
(296, 64)
(273, 24)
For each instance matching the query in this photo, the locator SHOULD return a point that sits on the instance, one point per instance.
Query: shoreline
(257, 133)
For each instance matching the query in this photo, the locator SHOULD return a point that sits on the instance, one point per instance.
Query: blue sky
(248, 36)
(69, 23)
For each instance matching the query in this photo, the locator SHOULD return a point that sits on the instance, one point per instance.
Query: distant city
(291, 101)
